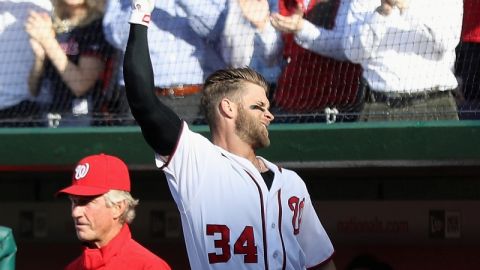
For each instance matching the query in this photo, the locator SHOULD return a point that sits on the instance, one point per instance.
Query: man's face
(94, 221)
(254, 117)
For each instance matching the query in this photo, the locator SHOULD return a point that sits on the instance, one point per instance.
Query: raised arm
(160, 125)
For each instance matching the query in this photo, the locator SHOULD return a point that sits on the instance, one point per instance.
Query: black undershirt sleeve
(160, 126)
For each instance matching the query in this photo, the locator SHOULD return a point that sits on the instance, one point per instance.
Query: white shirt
(409, 52)
(229, 217)
(15, 52)
(327, 42)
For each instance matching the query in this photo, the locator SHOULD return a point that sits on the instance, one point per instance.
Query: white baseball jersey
(229, 217)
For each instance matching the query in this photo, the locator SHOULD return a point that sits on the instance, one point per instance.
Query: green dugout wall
(402, 160)
(377, 188)
(405, 144)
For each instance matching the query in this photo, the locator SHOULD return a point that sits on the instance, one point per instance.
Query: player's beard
(250, 130)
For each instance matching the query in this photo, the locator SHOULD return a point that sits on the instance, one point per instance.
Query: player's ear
(227, 108)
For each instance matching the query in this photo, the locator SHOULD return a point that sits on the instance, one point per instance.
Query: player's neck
(234, 145)
(244, 150)
(259, 164)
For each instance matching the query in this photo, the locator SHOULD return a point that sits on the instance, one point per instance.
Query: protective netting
(347, 61)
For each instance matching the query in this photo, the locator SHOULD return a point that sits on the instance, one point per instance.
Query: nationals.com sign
(402, 222)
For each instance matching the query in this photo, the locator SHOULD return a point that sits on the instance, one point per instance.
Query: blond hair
(60, 18)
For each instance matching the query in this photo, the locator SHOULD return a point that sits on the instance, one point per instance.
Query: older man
(102, 208)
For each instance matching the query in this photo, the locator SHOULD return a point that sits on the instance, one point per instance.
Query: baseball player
(238, 210)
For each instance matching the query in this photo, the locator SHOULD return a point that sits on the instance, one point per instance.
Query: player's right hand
(141, 11)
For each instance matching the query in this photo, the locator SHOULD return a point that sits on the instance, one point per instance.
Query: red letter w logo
(297, 207)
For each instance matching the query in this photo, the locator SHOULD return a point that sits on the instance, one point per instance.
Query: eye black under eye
(257, 107)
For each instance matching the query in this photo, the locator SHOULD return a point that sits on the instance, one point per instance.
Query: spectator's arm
(37, 68)
(206, 17)
(115, 23)
(321, 41)
(270, 44)
(81, 77)
(365, 32)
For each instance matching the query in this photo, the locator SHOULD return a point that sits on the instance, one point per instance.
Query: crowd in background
(326, 60)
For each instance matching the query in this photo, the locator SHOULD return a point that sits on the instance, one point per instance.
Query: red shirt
(121, 253)
(471, 21)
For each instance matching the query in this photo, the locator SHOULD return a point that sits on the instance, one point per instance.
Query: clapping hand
(257, 12)
(387, 6)
(289, 24)
(39, 26)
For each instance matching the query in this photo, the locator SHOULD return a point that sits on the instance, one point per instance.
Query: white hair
(113, 197)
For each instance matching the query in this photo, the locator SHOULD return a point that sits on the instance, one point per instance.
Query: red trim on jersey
(175, 148)
(264, 230)
(284, 265)
(319, 266)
